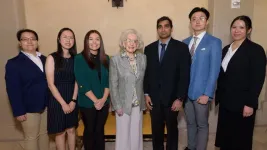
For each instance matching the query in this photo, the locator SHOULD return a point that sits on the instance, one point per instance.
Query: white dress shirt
(228, 57)
(199, 38)
(36, 59)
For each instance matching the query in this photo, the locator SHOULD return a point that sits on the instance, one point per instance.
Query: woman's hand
(248, 111)
(99, 104)
(72, 105)
(119, 112)
(66, 108)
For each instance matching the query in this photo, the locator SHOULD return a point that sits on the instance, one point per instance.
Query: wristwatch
(74, 100)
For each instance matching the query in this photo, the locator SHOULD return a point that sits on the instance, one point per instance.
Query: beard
(164, 36)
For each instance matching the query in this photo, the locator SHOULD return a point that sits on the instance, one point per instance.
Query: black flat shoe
(186, 148)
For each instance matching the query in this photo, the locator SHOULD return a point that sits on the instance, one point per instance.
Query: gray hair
(124, 36)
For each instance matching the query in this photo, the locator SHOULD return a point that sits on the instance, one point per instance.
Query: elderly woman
(126, 89)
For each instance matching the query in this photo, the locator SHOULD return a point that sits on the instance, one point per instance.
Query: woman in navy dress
(62, 110)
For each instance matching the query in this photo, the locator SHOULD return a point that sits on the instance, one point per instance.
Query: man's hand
(203, 99)
(148, 102)
(177, 105)
(22, 118)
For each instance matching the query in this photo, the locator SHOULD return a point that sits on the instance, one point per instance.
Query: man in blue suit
(206, 54)
(27, 90)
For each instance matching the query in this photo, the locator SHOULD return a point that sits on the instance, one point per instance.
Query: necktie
(192, 50)
(162, 51)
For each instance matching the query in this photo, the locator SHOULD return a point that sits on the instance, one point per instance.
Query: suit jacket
(122, 81)
(205, 67)
(242, 82)
(168, 80)
(26, 85)
(88, 80)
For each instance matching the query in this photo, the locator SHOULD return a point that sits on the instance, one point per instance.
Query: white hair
(124, 36)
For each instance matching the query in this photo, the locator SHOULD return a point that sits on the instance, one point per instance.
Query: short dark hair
(198, 9)
(163, 19)
(246, 20)
(19, 33)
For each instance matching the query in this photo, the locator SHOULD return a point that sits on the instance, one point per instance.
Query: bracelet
(74, 100)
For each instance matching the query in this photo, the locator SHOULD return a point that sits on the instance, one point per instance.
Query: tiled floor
(260, 136)
(259, 143)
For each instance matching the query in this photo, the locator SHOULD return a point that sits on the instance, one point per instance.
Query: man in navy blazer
(206, 54)
(27, 90)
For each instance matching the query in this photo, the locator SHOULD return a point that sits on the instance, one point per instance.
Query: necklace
(131, 58)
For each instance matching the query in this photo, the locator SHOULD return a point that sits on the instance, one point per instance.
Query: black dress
(64, 80)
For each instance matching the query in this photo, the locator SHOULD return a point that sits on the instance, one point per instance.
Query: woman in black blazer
(239, 85)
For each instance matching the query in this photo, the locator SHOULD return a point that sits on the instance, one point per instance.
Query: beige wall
(12, 18)
(47, 17)
(259, 36)
(223, 15)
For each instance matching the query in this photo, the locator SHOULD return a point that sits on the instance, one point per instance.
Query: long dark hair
(101, 51)
(59, 52)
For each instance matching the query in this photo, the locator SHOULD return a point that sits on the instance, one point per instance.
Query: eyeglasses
(28, 39)
(202, 19)
(132, 41)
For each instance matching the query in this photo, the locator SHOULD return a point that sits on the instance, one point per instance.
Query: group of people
(46, 93)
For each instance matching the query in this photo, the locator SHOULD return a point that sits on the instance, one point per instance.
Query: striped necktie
(193, 47)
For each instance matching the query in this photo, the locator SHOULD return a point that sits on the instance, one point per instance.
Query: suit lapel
(156, 52)
(29, 62)
(126, 64)
(167, 52)
(138, 64)
(238, 53)
(43, 59)
(187, 41)
(201, 45)
(224, 52)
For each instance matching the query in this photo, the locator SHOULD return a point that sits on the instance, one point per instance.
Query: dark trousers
(234, 132)
(161, 116)
(94, 122)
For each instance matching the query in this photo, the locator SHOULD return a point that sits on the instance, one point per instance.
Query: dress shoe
(186, 148)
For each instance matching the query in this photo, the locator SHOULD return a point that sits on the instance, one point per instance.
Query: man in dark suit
(166, 83)
(27, 90)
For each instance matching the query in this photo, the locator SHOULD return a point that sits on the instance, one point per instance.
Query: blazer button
(81, 86)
